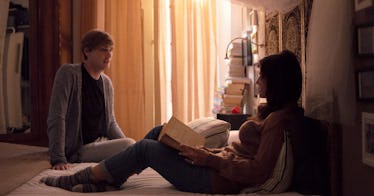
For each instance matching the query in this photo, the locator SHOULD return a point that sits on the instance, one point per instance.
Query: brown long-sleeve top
(251, 161)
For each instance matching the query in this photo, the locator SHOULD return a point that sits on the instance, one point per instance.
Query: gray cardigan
(64, 117)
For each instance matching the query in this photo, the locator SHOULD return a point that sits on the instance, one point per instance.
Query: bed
(22, 167)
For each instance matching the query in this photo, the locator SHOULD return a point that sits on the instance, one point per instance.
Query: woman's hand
(194, 155)
(61, 166)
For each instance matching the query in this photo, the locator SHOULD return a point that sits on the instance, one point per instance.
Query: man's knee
(144, 144)
(128, 141)
(154, 133)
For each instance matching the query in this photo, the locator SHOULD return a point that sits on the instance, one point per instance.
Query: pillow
(281, 178)
(311, 158)
(215, 131)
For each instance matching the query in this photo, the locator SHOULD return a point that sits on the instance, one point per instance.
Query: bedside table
(236, 120)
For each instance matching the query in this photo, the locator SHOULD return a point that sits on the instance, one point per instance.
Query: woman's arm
(239, 168)
(258, 169)
(195, 155)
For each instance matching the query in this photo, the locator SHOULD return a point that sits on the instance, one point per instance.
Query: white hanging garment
(12, 69)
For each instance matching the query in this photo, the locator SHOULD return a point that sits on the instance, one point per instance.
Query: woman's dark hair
(282, 73)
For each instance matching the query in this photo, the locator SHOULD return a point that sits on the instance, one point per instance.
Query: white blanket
(149, 182)
(23, 166)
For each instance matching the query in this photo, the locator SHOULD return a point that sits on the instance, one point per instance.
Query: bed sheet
(149, 182)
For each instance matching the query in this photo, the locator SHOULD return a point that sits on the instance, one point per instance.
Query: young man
(81, 122)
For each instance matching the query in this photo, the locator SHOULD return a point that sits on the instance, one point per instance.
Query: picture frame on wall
(365, 40)
(362, 4)
(368, 138)
(365, 85)
(256, 74)
(292, 31)
(272, 34)
(293, 35)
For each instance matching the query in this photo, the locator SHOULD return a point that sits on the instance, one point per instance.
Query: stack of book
(232, 97)
(237, 91)
(234, 92)
(236, 61)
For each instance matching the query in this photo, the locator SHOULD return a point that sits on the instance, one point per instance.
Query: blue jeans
(166, 161)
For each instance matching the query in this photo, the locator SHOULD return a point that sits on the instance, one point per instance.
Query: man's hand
(194, 155)
(61, 166)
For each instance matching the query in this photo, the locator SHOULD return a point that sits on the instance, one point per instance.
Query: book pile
(236, 79)
(232, 97)
(236, 61)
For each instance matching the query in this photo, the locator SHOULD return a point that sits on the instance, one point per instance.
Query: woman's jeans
(166, 161)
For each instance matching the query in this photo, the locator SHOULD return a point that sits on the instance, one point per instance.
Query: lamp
(228, 45)
(245, 37)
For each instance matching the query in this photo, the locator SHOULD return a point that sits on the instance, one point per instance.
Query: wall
(330, 90)
(223, 38)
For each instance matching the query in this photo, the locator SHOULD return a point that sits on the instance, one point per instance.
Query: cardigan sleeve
(57, 113)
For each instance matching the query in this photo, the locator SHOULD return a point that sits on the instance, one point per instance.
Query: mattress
(22, 167)
(149, 182)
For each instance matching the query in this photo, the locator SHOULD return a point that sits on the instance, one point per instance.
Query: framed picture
(365, 40)
(365, 84)
(272, 34)
(256, 72)
(291, 32)
(293, 35)
(362, 4)
(368, 138)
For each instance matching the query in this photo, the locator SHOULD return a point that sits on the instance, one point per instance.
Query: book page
(180, 133)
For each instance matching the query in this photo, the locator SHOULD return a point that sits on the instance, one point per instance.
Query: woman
(247, 163)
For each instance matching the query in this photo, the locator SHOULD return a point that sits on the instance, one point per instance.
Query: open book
(174, 133)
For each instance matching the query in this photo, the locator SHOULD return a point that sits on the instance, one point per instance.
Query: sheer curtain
(194, 58)
(123, 20)
(162, 61)
(184, 71)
